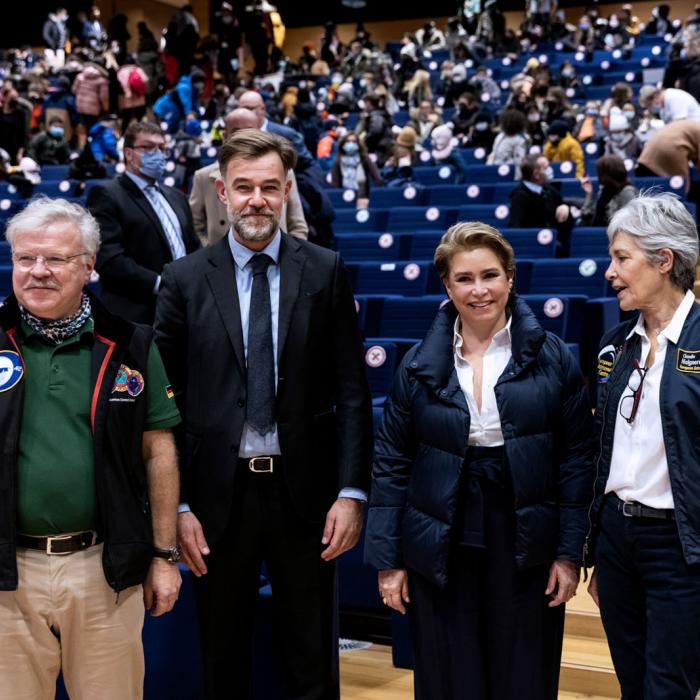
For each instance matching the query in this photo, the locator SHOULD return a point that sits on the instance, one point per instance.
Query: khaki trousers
(63, 615)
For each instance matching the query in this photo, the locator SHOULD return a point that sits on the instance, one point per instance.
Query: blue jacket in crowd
(103, 142)
(423, 440)
(679, 398)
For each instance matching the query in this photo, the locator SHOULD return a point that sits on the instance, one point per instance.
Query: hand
(586, 185)
(593, 589)
(562, 583)
(161, 587)
(342, 528)
(562, 213)
(190, 537)
(393, 588)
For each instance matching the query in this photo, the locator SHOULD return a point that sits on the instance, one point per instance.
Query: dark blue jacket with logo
(679, 399)
(423, 440)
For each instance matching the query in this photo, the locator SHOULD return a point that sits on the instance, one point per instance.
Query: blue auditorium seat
(423, 244)
(62, 188)
(493, 214)
(405, 278)
(5, 280)
(564, 169)
(385, 197)
(426, 218)
(589, 242)
(405, 318)
(483, 174)
(5, 254)
(561, 314)
(570, 276)
(342, 199)
(360, 220)
(434, 174)
(381, 358)
(356, 247)
(531, 242)
(54, 172)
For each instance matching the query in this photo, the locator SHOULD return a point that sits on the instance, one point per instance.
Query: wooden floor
(368, 674)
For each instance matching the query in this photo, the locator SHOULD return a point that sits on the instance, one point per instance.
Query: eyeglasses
(153, 148)
(54, 263)
(629, 405)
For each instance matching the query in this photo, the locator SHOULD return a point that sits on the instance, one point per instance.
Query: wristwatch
(171, 554)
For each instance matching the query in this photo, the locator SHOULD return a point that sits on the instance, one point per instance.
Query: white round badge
(169, 166)
(506, 61)
(440, 101)
(504, 84)
(587, 80)
(425, 156)
(349, 196)
(411, 272)
(473, 191)
(433, 65)
(485, 97)
(410, 192)
(386, 240)
(656, 50)
(535, 149)
(629, 77)
(5, 204)
(591, 149)
(605, 65)
(587, 268)
(676, 182)
(566, 167)
(570, 92)
(545, 236)
(375, 356)
(558, 46)
(211, 152)
(362, 216)
(553, 307)
(480, 153)
(502, 211)
(169, 182)
(432, 213)
(64, 186)
(504, 170)
(579, 56)
(617, 54)
(120, 167)
(645, 62)
(629, 165)
(444, 172)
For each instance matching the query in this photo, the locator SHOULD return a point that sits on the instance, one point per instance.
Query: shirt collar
(242, 255)
(502, 338)
(263, 126)
(673, 330)
(139, 181)
(86, 331)
(533, 186)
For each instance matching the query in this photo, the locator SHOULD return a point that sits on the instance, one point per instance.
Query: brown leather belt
(60, 544)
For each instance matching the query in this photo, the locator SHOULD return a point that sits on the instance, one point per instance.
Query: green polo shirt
(55, 465)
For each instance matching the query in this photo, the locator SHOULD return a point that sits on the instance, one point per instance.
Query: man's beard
(250, 224)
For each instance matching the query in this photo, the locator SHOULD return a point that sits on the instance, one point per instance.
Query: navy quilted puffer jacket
(423, 439)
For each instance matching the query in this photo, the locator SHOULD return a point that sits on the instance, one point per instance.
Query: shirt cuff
(183, 508)
(156, 286)
(357, 494)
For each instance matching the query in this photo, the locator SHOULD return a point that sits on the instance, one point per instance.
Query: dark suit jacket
(134, 247)
(531, 210)
(323, 406)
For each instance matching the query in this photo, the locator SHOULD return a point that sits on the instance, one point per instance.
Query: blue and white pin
(11, 369)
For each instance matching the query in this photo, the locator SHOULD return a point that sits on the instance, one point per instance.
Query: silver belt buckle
(628, 512)
(267, 465)
(49, 542)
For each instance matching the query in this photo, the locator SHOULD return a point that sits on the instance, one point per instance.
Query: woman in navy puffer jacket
(481, 481)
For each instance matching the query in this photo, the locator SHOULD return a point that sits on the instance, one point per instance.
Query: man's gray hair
(43, 211)
(661, 221)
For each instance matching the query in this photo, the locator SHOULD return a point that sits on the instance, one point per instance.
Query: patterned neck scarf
(56, 332)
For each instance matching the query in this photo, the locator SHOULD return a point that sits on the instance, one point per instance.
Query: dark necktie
(261, 368)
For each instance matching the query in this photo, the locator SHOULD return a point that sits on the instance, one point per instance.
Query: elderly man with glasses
(88, 503)
(144, 226)
(645, 520)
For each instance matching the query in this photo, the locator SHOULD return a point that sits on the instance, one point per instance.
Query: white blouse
(485, 427)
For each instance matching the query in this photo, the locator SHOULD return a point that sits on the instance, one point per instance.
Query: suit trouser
(63, 615)
(650, 606)
(489, 634)
(265, 527)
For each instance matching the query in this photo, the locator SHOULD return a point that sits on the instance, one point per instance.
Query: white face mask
(405, 161)
(533, 117)
(549, 174)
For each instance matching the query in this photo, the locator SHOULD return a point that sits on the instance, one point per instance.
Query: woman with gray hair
(644, 533)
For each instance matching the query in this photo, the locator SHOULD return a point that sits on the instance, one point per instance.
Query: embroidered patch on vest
(606, 362)
(128, 380)
(11, 369)
(688, 361)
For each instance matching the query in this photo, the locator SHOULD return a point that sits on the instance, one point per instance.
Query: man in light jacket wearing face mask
(669, 104)
(144, 226)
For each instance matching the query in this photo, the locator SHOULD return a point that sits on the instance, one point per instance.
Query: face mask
(481, 126)
(227, 19)
(584, 27)
(591, 112)
(350, 148)
(534, 117)
(655, 110)
(630, 114)
(405, 162)
(618, 137)
(567, 72)
(152, 164)
(56, 131)
(549, 174)
(614, 24)
(554, 140)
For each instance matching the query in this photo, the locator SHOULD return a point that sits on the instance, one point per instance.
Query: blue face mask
(481, 126)
(630, 114)
(350, 148)
(655, 110)
(152, 164)
(56, 132)
(591, 112)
